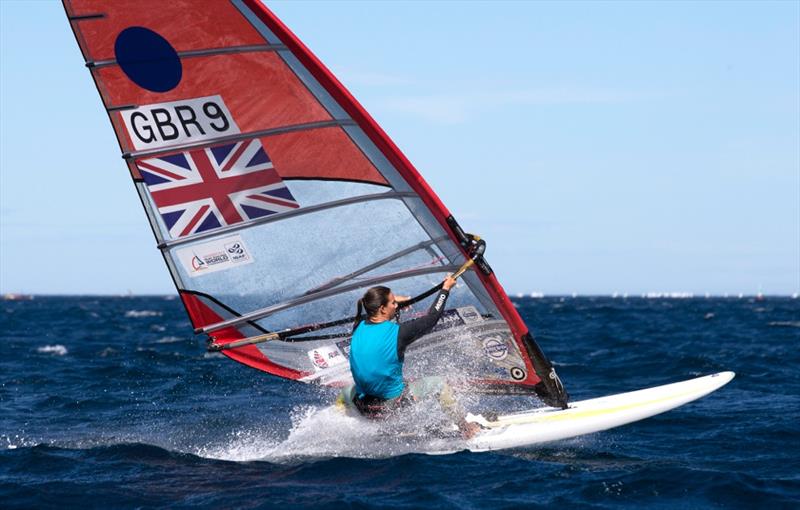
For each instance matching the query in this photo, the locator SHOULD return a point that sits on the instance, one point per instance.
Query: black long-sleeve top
(413, 329)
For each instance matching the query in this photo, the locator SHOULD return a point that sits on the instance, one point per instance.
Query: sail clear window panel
(418, 260)
(156, 220)
(342, 255)
(315, 192)
(344, 304)
(306, 193)
(398, 232)
(298, 254)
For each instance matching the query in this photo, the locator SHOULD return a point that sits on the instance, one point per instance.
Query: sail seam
(335, 179)
(301, 300)
(99, 64)
(236, 138)
(286, 215)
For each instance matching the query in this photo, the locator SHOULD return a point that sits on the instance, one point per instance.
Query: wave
(12, 442)
(784, 324)
(169, 340)
(326, 432)
(57, 349)
(142, 313)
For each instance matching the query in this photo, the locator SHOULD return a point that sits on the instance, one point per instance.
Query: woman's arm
(411, 330)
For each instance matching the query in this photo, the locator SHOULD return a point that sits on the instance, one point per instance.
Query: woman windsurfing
(377, 353)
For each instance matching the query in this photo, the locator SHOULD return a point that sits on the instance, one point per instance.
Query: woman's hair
(372, 300)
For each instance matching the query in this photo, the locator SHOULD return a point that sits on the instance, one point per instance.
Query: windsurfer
(377, 353)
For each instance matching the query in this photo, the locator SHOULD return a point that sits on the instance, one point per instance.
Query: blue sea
(111, 402)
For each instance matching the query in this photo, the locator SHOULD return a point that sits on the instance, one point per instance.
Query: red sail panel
(225, 75)
(326, 153)
(247, 355)
(301, 155)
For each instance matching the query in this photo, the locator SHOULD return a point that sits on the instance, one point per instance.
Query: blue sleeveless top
(376, 367)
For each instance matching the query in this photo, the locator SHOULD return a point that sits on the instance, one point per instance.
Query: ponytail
(357, 318)
(371, 302)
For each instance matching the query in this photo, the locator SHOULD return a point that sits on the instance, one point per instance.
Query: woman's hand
(449, 282)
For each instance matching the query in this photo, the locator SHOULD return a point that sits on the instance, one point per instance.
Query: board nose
(724, 377)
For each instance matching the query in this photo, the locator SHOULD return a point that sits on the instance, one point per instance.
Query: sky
(598, 147)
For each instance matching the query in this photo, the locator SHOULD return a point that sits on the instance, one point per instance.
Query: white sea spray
(142, 313)
(56, 350)
(169, 340)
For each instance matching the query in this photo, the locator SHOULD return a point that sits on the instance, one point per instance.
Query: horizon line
(14, 296)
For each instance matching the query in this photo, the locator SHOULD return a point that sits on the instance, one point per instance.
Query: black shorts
(378, 408)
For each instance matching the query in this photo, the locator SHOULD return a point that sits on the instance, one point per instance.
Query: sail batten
(97, 64)
(307, 298)
(341, 279)
(266, 182)
(171, 149)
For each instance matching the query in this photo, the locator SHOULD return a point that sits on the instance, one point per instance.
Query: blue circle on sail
(148, 59)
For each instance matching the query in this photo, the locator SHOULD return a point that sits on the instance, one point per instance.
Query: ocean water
(112, 403)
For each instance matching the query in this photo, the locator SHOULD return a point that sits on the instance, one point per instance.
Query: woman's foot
(468, 429)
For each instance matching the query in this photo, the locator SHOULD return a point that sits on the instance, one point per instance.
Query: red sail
(263, 178)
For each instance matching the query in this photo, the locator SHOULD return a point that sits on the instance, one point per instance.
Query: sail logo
(469, 314)
(209, 260)
(319, 360)
(159, 125)
(212, 256)
(495, 348)
(344, 347)
(325, 357)
(198, 264)
(236, 251)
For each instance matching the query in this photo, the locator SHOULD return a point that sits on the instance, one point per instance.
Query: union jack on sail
(204, 189)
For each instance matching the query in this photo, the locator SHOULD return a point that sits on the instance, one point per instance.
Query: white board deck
(587, 416)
